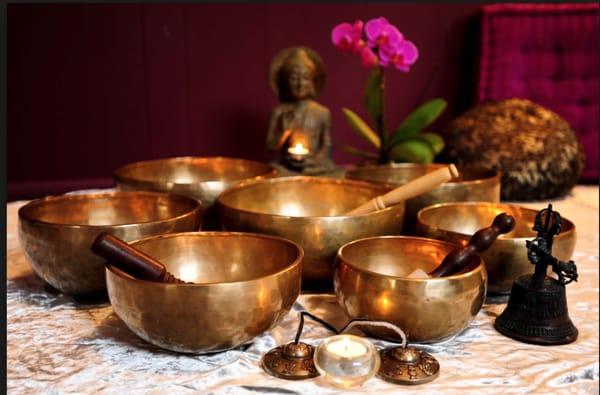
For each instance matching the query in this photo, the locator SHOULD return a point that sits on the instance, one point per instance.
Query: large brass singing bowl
(506, 259)
(244, 284)
(309, 211)
(472, 185)
(56, 232)
(202, 179)
(371, 282)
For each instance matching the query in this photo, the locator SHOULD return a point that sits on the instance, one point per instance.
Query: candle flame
(346, 342)
(298, 149)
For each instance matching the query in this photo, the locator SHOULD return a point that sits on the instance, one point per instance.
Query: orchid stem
(383, 157)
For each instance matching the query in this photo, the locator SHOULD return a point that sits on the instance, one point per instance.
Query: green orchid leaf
(417, 120)
(360, 127)
(415, 151)
(373, 94)
(435, 141)
(357, 152)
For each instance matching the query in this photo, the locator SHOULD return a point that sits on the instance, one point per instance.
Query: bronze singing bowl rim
(494, 174)
(426, 240)
(565, 230)
(288, 268)
(121, 174)
(25, 215)
(304, 179)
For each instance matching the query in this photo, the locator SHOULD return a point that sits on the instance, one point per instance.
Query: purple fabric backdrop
(92, 87)
(547, 53)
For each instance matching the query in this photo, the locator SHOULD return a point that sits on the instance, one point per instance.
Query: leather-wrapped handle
(407, 191)
(458, 259)
(131, 260)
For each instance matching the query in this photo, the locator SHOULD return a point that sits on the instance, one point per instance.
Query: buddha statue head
(297, 73)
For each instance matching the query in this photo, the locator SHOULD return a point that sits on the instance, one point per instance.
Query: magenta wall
(92, 87)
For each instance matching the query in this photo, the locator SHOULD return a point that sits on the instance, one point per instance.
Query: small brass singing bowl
(199, 178)
(371, 283)
(244, 284)
(309, 211)
(506, 259)
(56, 232)
(472, 185)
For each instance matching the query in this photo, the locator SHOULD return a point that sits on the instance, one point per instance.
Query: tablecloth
(57, 344)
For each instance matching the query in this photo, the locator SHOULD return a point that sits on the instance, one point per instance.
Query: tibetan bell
(537, 308)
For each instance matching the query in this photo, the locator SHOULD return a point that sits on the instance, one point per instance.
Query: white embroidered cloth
(57, 345)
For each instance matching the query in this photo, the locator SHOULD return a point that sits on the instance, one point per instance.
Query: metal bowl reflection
(506, 259)
(244, 285)
(371, 283)
(56, 232)
(203, 179)
(309, 211)
(472, 185)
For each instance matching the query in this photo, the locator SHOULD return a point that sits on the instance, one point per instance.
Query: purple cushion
(547, 53)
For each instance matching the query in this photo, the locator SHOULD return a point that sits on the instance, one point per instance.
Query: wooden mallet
(460, 258)
(407, 191)
(132, 261)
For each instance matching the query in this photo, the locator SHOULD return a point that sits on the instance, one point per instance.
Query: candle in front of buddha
(298, 151)
(346, 360)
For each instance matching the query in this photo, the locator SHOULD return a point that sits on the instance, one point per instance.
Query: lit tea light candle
(346, 360)
(298, 150)
(347, 348)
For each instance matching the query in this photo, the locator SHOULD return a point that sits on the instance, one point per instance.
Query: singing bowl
(472, 185)
(244, 284)
(309, 211)
(506, 259)
(56, 232)
(203, 179)
(371, 282)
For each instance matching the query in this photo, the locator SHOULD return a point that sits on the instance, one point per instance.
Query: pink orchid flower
(380, 33)
(348, 37)
(385, 44)
(402, 55)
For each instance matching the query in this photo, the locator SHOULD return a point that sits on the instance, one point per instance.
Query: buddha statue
(299, 135)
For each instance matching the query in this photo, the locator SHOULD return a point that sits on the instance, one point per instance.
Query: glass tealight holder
(346, 361)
